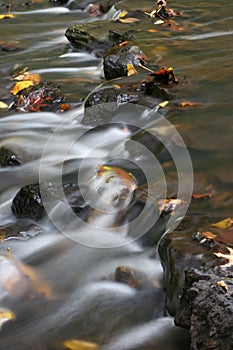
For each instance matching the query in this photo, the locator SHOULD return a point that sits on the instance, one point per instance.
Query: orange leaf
(152, 30)
(189, 104)
(21, 85)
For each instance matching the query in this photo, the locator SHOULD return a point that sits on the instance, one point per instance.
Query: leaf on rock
(6, 16)
(64, 107)
(229, 257)
(21, 85)
(123, 14)
(163, 104)
(131, 70)
(74, 344)
(223, 285)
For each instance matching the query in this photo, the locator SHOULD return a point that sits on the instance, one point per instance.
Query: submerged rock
(9, 158)
(21, 229)
(199, 281)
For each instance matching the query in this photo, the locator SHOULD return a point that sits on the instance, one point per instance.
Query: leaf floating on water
(74, 344)
(111, 171)
(6, 16)
(152, 30)
(189, 104)
(128, 20)
(3, 105)
(24, 80)
(64, 107)
(131, 70)
(5, 316)
(223, 224)
(229, 257)
(163, 104)
(160, 21)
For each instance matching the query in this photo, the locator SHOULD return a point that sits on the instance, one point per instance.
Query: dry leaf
(21, 85)
(223, 285)
(74, 344)
(152, 30)
(123, 14)
(64, 107)
(131, 70)
(123, 43)
(189, 104)
(229, 257)
(7, 15)
(111, 171)
(160, 21)
(223, 224)
(128, 20)
(3, 105)
(163, 104)
(5, 316)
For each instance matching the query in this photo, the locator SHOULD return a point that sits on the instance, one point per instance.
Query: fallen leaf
(123, 14)
(8, 15)
(160, 21)
(3, 105)
(64, 107)
(21, 85)
(131, 70)
(229, 257)
(74, 344)
(5, 316)
(223, 224)
(189, 104)
(128, 20)
(223, 285)
(111, 171)
(163, 104)
(152, 30)
(202, 195)
(123, 43)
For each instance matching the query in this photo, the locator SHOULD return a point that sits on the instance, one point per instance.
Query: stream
(77, 260)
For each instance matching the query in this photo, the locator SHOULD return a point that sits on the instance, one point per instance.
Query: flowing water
(79, 264)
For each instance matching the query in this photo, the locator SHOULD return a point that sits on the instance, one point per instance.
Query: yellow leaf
(74, 344)
(152, 30)
(123, 14)
(128, 20)
(131, 70)
(3, 105)
(7, 15)
(20, 86)
(223, 224)
(190, 104)
(6, 315)
(163, 104)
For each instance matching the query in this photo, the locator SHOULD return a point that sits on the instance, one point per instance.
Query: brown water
(89, 304)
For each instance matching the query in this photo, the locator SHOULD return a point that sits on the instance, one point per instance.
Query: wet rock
(9, 158)
(101, 102)
(28, 203)
(116, 61)
(198, 282)
(20, 230)
(97, 36)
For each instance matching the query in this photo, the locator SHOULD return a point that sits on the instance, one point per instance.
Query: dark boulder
(198, 280)
(28, 203)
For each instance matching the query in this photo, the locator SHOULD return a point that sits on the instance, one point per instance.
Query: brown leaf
(184, 104)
